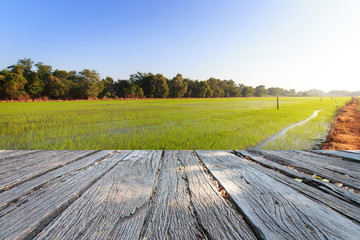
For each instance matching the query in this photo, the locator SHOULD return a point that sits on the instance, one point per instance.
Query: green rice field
(215, 123)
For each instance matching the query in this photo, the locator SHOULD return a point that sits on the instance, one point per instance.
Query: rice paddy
(215, 123)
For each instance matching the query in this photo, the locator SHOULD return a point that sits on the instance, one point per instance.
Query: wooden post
(277, 100)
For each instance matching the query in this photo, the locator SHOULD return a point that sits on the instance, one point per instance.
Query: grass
(226, 123)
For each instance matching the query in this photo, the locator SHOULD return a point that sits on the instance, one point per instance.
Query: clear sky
(300, 44)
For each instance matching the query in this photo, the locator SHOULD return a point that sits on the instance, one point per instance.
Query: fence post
(277, 100)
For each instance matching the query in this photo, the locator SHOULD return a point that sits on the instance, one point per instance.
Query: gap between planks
(336, 198)
(278, 211)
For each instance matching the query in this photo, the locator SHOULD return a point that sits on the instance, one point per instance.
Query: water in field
(273, 138)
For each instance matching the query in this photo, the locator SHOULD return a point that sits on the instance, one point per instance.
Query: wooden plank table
(158, 194)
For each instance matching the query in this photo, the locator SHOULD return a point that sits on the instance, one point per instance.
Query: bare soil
(345, 132)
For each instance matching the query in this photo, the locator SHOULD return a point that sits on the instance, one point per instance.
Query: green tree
(38, 85)
(133, 91)
(26, 64)
(108, 88)
(230, 88)
(190, 87)
(216, 88)
(201, 89)
(247, 91)
(57, 88)
(89, 81)
(12, 84)
(128, 89)
(260, 91)
(154, 86)
(43, 71)
(121, 87)
(143, 80)
(177, 86)
(159, 86)
(274, 91)
(35, 86)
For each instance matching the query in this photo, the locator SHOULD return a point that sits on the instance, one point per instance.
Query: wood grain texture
(351, 151)
(113, 208)
(346, 155)
(27, 217)
(329, 188)
(313, 165)
(26, 159)
(275, 210)
(7, 155)
(14, 193)
(310, 187)
(171, 215)
(216, 215)
(334, 162)
(27, 168)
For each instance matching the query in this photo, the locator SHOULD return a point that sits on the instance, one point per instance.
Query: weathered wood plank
(311, 165)
(16, 165)
(27, 217)
(170, 214)
(336, 162)
(14, 193)
(273, 209)
(35, 166)
(9, 154)
(346, 155)
(216, 215)
(24, 160)
(351, 151)
(4, 151)
(177, 213)
(113, 208)
(337, 166)
(333, 197)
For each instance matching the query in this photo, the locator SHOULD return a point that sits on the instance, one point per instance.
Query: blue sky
(291, 44)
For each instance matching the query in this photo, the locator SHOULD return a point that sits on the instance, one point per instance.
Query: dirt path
(283, 132)
(345, 133)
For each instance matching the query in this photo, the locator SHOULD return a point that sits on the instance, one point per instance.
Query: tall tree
(128, 89)
(143, 80)
(177, 86)
(89, 81)
(43, 71)
(274, 91)
(133, 91)
(108, 88)
(215, 87)
(190, 87)
(159, 86)
(260, 91)
(201, 89)
(154, 86)
(35, 86)
(121, 87)
(57, 87)
(247, 91)
(57, 83)
(26, 63)
(230, 89)
(12, 84)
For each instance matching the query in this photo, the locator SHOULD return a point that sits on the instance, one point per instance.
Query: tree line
(22, 82)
